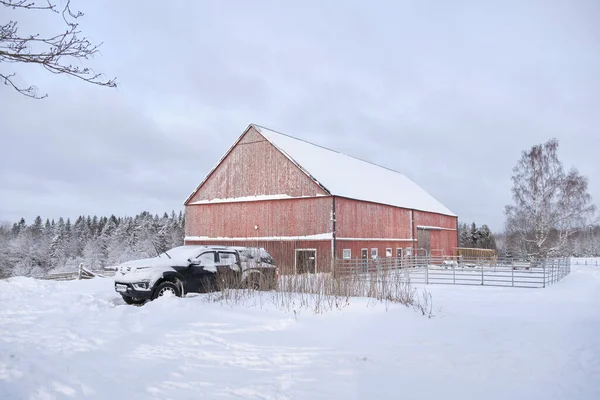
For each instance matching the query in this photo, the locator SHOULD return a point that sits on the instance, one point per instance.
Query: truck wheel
(253, 282)
(132, 300)
(164, 289)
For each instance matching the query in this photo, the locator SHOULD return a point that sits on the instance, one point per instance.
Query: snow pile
(77, 339)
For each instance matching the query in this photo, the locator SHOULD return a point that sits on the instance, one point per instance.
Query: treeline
(582, 243)
(472, 236)
(40, 247)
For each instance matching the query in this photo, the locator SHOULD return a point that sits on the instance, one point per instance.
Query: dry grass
(324, 292)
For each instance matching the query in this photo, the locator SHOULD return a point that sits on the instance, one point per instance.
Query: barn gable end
(254, 168)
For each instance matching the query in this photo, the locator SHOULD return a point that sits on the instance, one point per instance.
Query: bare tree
(550, 205)
(55, 53)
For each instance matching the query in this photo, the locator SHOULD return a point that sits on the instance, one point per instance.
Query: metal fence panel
(462, 271)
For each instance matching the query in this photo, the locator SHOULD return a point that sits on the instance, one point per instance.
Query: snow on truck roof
(347, 176)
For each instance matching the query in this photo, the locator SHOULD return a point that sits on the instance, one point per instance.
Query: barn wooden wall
(290, 217)
(445, 240)
(361, 219)
(364, 220)
(255, 167)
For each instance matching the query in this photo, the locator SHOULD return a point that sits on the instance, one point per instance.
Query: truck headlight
(141, 285)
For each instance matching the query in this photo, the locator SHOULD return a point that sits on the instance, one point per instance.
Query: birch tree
(549, 204)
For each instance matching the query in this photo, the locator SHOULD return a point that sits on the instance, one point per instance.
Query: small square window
(347, 254)
(374, 253)
(388, 253)
(398, 252)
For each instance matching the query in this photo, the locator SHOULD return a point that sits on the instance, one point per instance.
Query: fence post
(560, 269)
(426, 274)
(544, 271)
(79, 271)
(481, 274)
(453, 273)
(512, 274)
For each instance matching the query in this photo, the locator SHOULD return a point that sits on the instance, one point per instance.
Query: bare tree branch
(56, 53)
(30, 5)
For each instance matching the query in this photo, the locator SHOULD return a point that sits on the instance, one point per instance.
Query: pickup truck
(199, 269)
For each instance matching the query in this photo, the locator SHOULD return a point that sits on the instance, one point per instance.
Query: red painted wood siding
(293, 217)
(361, 219)
(255, 167)
(283, 252)
(444, 240)
(431, 219)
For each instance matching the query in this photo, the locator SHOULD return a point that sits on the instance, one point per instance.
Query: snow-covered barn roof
(347, 176)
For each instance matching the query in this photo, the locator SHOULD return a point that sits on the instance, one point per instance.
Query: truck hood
(147, 268)
(155, 262)
(141, 274)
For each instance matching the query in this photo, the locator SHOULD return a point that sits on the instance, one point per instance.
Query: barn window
(373, 253)
(388, 253)
(399, 252)
(347, 254)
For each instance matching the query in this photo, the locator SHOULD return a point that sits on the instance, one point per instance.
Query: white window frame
(347, 254)
(374, 253)
(388, 252)
(399, 252)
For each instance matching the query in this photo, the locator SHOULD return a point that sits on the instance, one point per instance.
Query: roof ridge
(327, 148)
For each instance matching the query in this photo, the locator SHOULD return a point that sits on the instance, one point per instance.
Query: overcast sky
(448, 93)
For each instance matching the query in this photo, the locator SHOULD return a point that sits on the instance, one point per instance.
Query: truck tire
(253, 281)
(164, 288)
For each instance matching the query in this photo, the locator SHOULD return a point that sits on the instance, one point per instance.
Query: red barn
(308, 205)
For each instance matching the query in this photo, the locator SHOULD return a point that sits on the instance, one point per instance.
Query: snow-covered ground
(78, 340)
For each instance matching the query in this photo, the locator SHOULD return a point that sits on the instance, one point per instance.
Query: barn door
(424, 240)
(306, 261)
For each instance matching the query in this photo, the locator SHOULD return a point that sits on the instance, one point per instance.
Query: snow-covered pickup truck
(199, 269)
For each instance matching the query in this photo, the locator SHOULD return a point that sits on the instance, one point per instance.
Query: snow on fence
(81, 273)
(460, 271)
